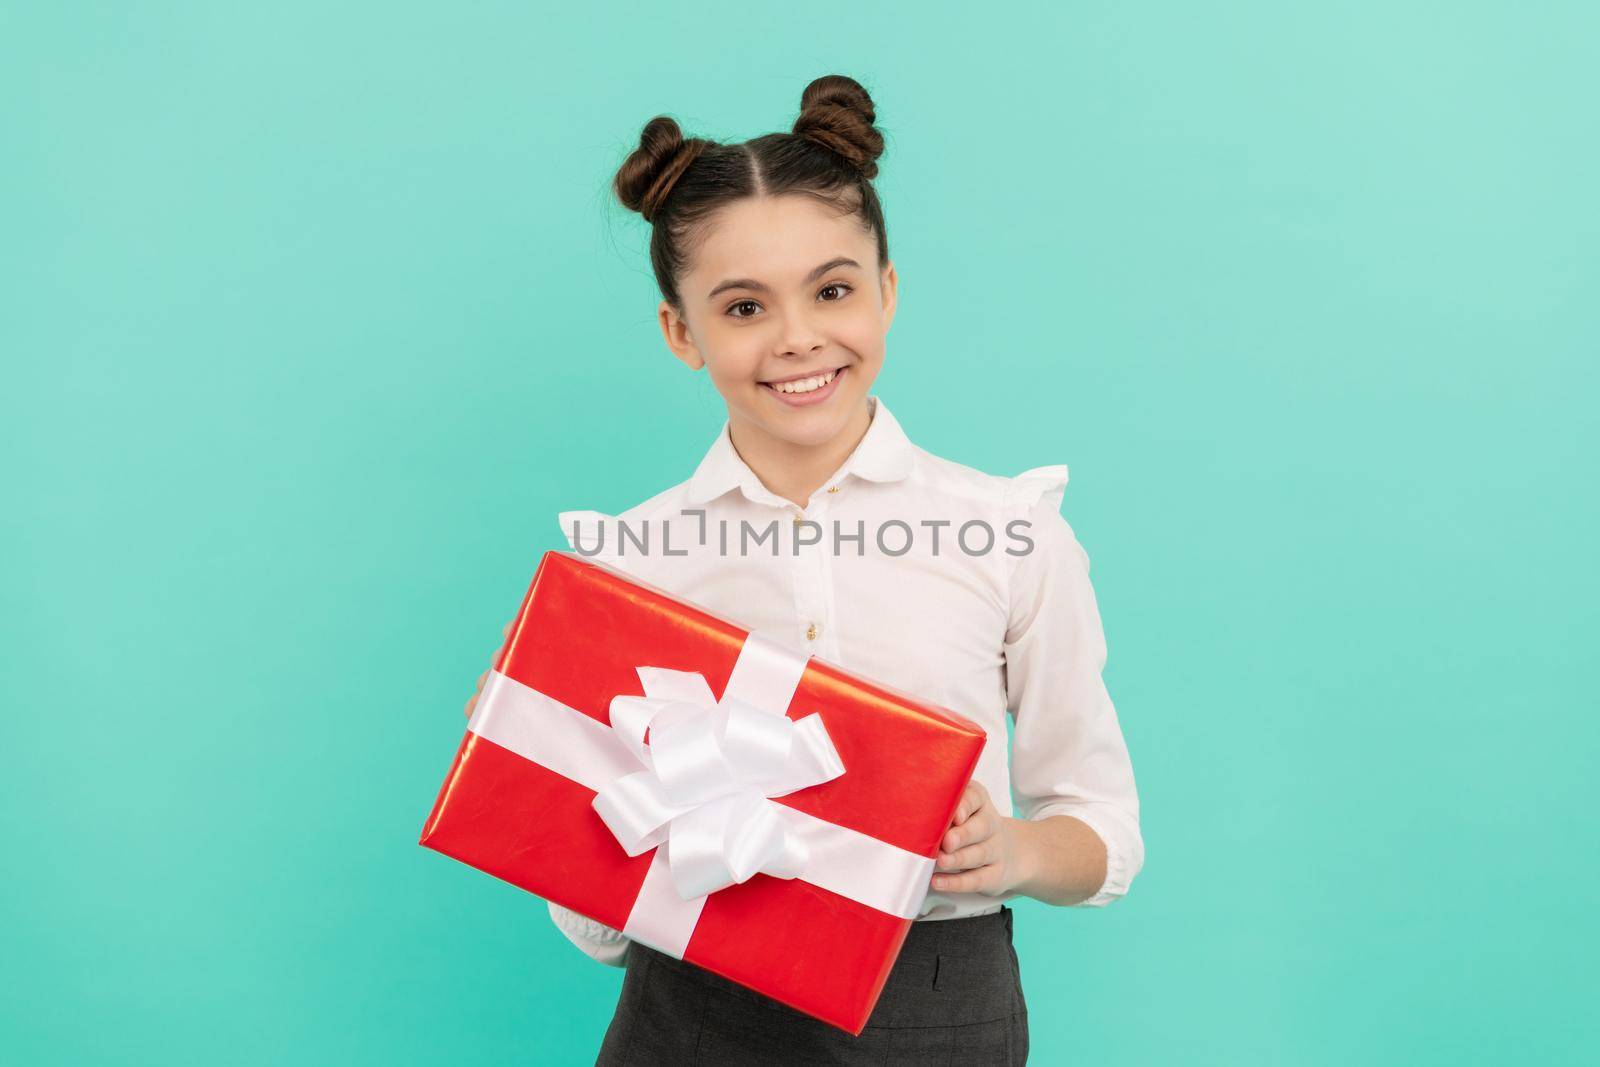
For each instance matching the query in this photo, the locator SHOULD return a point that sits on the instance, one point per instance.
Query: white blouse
(965, 588)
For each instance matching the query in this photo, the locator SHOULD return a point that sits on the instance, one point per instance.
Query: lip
(799, 377)
(816, 396)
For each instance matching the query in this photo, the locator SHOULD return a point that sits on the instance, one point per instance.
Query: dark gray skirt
(953, 996)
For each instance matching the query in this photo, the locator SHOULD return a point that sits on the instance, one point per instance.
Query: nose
(800, 337)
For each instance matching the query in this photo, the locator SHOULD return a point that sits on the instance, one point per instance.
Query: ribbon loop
(708, 770)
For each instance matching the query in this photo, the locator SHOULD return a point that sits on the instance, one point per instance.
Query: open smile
(804, 391)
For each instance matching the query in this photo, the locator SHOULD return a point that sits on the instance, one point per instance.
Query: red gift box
(800, 879)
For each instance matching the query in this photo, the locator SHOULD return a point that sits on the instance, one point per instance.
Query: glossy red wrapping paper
(582, 630)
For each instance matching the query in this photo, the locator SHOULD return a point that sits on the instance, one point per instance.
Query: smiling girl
(966, 588)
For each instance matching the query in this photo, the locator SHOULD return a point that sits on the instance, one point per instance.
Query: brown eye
(740, 304)
(835, 285)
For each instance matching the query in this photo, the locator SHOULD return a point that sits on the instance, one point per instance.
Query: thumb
(472, 701)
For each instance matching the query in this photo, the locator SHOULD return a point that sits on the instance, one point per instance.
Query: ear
(890, 284)
(676, 333)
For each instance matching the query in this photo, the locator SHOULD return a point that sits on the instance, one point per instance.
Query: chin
(819, 432)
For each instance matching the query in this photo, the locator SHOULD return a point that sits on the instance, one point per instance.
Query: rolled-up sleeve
(1069, 756)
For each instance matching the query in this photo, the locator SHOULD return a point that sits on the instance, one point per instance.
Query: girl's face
(780, 288)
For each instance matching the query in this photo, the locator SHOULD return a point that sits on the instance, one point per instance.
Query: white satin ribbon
(708, 771)
(698, 791)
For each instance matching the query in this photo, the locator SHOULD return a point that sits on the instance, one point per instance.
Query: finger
(971, 801)
(494, 657)
(974, 881)
(980, 854)
(975, 827)
(473, 700)
(986, 823)
(958, 836)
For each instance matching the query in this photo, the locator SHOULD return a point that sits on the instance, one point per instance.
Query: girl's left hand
(980, 849)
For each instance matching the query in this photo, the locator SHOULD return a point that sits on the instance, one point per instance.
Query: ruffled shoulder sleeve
(1034, 498)
(1038, 485)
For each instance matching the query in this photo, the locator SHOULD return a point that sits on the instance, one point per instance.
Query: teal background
(312, 318)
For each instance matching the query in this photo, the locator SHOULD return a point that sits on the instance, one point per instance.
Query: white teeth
(805, 385)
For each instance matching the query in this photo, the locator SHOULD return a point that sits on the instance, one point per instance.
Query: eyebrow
(751, 283)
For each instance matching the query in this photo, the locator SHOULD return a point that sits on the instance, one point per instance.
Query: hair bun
(648, 174)
(837, 113)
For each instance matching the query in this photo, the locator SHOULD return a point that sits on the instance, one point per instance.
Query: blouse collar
(885, 454)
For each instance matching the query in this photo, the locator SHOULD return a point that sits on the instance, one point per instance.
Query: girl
(964, 587)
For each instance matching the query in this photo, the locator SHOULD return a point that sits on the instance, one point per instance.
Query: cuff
(596, 939)
(1124, 847)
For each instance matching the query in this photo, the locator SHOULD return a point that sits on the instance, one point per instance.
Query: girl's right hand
(484, 677)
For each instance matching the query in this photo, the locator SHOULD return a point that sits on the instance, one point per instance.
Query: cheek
(735, 360)
(863, 333)
(866, 314)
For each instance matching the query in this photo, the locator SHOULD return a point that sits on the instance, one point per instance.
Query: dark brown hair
(830, 155)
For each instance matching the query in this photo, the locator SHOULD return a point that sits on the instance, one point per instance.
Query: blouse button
(811, 632)
(799, 517)
(833, 488)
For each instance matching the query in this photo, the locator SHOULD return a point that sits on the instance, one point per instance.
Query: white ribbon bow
(700, 791)
(709, 771)
(710, 768)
